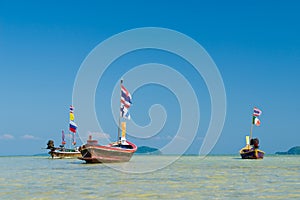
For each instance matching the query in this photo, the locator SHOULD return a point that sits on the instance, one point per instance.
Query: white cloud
(6, 137)
(29, 137)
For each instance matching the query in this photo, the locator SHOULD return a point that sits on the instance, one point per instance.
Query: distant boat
(62, 151)
(119, 151)
(251, 150)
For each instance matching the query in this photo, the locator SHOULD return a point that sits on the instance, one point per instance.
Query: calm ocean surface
(189, 177)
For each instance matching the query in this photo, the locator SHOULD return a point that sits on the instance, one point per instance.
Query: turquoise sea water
(189, 177)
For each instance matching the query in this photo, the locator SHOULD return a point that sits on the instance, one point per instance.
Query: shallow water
(189, 177)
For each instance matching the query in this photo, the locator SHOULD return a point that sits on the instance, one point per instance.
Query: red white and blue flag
(125, 97)
(256, 112)
(71, 109)
(73, 127)
(124, 112)
(125, 103)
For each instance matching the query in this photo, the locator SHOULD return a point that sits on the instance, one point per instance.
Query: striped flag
(71, 109)
(125, 102)
(73, 127)
(125, 97)
(124, 112)
(256, 112)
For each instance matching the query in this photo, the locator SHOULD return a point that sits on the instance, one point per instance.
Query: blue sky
(255, 45)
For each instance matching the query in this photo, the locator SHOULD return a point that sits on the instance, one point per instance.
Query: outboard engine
(254, 142)
(50, 145)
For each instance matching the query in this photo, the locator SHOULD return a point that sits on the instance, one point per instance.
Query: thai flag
(71, 109)
(73, 127)
(256, 112)
(125, 97)
(124, 112)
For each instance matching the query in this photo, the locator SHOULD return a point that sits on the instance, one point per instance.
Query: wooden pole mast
(121, 82)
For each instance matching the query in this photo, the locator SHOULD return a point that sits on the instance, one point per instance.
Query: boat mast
(251, 131)
(121, 82)
(252, 123)
(70, 134)
(72, 128)
(70, 139)
(63, 142)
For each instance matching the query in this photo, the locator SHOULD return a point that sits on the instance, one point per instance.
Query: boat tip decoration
(123, 137)
(63, 142)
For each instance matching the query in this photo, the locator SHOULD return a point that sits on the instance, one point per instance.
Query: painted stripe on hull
(103, 156)
(62, 154)
(252, 154)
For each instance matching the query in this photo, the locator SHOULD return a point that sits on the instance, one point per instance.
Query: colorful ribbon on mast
(72, 125)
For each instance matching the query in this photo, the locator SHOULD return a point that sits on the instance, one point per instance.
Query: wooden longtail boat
(120, 151)
(62, 151)
(251, 150)
(92, 152)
